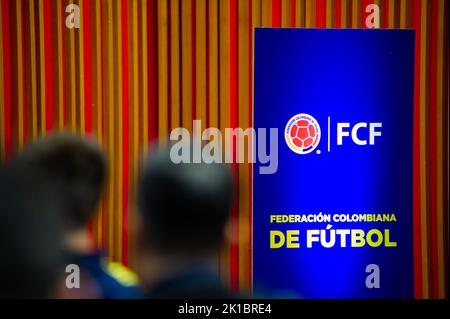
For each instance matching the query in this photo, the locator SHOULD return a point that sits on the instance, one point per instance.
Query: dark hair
(31, 258)
(77, 166)
(185, 206)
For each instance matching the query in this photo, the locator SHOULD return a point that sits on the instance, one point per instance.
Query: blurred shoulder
(122, 274)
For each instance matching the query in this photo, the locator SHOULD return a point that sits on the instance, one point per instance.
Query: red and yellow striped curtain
(136, 69)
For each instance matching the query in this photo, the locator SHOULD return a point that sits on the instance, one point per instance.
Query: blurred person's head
(31, 258)
(77, 166)
(184, 207)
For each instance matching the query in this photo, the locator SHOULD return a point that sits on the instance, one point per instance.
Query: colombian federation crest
(302, 133)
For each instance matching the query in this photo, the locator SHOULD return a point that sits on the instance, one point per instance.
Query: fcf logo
(302, 133)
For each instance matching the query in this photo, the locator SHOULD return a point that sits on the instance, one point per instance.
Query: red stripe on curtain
(24, 95)
(276, 13)
(6, 19)
(193, 58)
(234, 249)
(208, 89)
(292, 18)
(169, 65)
(87, 66)
(62, 17)
(386, 14)
(321, 13)
(152, 35)
(338, 14)
(48, 66)
(432, 168)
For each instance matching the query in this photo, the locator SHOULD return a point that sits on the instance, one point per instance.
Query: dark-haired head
(185, 206)
(77, 166)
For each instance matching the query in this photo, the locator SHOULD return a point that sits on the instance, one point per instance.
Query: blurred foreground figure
(31, 259)
(77, 167)
(185, 211)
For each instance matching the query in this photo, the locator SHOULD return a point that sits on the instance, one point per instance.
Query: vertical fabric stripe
(292, 17)
(276, 13)
(338, 13)
(403, 12)
(72, 78)
(109, 108)
(417, 232)
(83, 95)
(321, 13)
(61, 100)
(163, 70)
(432, 144)
(193, 42)
(299, 13)
(34, 79)
(330, 14)
(310, 14)
(132, 99)
(266, 13)
(200, 60)
(99, 105)
(87, 63)
(20, 74)
(391, 15)
(152, 70)
(48, 66)
(355, 14)
(123, 112)
(423, 144)
(255, 22)
(440, 162)
(7, 104)
(119, 114)
(81, 68)
(285, 14)
(224, 93)
(175, 119)
(186, 65)
(233, 109)
(244, 19)
(345, 13)
(213, 48)
(145, 81)
(42, 68)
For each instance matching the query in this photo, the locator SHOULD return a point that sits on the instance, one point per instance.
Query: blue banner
(335, 219)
